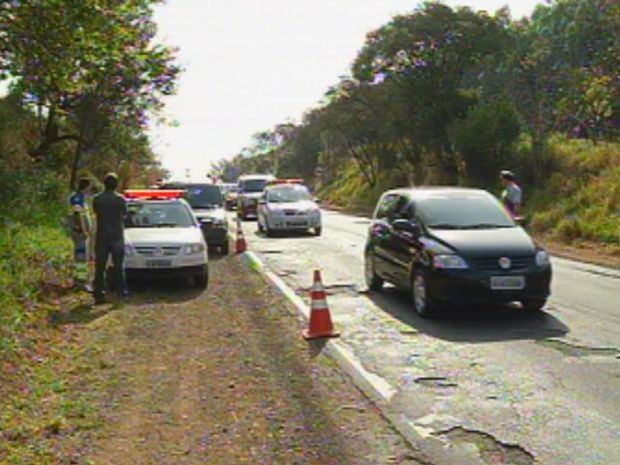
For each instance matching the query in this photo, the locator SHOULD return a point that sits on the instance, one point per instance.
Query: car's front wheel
(533, 305)
(373, 281)
(225, 249)
(318, 231)
(202, 280)
(424, 302)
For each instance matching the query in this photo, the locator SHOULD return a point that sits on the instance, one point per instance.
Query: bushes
(33, 246)
(581, 200)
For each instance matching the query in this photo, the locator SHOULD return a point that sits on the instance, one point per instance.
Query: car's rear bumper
(214, 235)
(183, 272)
(474, 287)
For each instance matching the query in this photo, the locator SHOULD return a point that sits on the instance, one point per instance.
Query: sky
(252, 64)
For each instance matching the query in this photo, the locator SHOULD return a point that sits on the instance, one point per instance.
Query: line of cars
(444, 245)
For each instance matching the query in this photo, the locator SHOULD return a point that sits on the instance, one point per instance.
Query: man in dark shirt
(110, 210)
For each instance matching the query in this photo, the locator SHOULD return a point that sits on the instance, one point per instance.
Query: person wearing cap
(512, 196)
(110, 210)
(81, 230)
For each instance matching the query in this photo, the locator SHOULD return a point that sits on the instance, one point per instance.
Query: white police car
(163, 237)
(287, 205)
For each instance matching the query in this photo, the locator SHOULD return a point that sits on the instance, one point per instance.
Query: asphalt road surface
(498, 385)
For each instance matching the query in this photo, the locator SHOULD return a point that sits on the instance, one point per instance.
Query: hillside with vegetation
(453, 96)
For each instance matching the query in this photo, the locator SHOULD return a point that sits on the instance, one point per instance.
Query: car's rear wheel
(373, 281)
(424, 302)
(533, 305)
(318, 231)
(201, 281)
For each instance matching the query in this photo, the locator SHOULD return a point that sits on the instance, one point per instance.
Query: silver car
(288, 207)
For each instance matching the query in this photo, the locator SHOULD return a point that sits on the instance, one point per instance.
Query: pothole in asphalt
(435, 382)
(574, 350)
(491, 450)
(335, 289)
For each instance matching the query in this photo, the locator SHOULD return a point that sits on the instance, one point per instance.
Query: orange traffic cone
(320, 318)
(240, 244)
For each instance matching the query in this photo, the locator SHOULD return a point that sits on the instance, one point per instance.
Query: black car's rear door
(381, 236)
(403, 244)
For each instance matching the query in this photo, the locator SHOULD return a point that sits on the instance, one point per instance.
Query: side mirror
(408, 226)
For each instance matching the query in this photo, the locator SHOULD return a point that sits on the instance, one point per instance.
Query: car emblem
(159, 252)
(505, 263)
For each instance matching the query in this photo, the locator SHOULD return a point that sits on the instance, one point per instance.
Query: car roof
(250, 177)
(431, 191)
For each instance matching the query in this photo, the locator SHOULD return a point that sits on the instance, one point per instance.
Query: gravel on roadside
(223, 377)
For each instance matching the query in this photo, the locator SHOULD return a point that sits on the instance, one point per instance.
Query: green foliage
(485, 138)
(581, 200)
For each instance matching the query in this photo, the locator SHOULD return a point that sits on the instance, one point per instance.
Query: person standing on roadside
(81, 230)
(512, 196)
(110, 210)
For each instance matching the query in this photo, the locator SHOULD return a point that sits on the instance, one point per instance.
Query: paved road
(500, 386)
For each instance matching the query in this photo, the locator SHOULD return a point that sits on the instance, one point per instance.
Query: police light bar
(287, 181)
(154, 194)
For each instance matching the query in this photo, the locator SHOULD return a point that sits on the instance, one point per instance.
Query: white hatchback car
(163, 237)
(288, 207)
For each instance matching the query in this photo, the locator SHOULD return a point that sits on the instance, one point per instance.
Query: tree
(67, 57)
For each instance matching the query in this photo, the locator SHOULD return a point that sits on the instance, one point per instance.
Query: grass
(581, 200)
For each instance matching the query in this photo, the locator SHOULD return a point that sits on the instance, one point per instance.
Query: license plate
(507, 283)
(159, 263)
(297, 224)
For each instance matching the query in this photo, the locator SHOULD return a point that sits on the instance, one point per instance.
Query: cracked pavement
(495, 386)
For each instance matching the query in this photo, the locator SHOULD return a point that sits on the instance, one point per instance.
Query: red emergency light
(154, 194)
(287, 181)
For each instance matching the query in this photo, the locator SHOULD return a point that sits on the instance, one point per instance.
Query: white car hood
(172, 236)
(301, 205)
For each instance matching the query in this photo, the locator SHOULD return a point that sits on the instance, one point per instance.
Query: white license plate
(159, 263)
(507, 283)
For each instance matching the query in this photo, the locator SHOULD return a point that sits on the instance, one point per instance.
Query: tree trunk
(77, 155)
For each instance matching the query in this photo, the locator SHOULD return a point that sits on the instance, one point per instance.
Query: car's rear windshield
(253, 185)
(288, 194)
(158, 215)
(204, 195)
(463, 211)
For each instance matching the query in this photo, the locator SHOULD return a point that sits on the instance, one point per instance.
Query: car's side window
(400, 210)
(408, 211)
(386, 207)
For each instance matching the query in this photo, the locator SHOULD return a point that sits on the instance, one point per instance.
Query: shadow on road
(493, 323)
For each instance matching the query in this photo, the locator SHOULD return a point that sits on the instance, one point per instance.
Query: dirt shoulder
(222, 377)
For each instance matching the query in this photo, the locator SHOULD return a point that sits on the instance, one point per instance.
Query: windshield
(463, 211)
(158, 215)
(288, 194)
(204, 196)
(253, 185)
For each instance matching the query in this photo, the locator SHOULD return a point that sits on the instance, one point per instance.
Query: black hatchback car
(449, 245)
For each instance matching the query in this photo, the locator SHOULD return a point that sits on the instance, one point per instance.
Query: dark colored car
(230, 196)
(454, 246)
(251, 189)
(207, 202)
